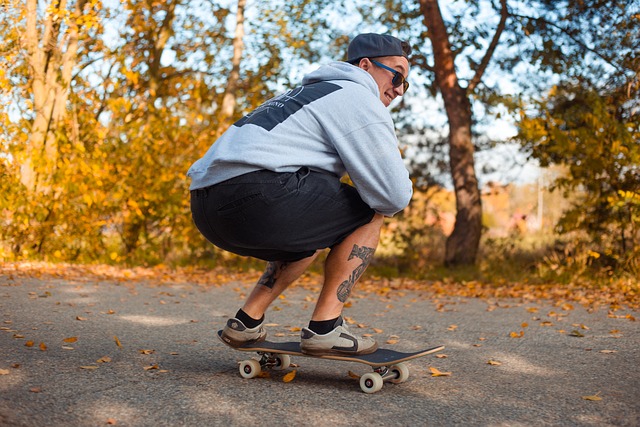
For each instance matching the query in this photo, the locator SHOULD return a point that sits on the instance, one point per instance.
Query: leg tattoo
(268, 278)
(365, 254)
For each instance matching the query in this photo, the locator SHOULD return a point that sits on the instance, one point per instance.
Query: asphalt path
(94, 353)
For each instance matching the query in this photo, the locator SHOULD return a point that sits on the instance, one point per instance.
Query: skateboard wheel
(401, 373)
(371, 382)
(283, 361)
(250, 368)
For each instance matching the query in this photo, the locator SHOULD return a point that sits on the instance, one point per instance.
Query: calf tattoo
(271, 273)
(365, 254)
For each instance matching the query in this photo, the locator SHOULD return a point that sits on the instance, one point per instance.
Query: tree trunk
(229, 101)
(462, 245)
(51, 63)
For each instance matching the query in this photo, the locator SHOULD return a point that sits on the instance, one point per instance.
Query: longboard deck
(381, 357)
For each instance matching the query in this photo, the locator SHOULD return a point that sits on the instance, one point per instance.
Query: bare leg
(345, 264)
(276, 278)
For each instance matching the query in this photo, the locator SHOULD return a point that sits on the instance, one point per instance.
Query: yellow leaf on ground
(295, 329)
(104, 359)
(516, 334)
(354, 375)
(377, 331)
(146, 351)
(437, 373)
(608, 351)
(441, 356)
(112, 421)
(29, 344)
(595, 397)
(4, 372)
(43, 346)
(494, 363)
(80, 318)
(289, 377)
(118, 343)
(70, 339)
(148, 368)
(452, 327)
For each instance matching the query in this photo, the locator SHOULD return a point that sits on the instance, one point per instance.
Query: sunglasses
(398, 78)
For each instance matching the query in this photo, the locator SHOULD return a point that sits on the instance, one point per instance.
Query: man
(270, 188)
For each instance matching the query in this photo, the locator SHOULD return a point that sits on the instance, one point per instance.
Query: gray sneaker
(337, 342)
(236, 334)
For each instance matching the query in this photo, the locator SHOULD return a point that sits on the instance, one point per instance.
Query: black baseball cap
(371, 45)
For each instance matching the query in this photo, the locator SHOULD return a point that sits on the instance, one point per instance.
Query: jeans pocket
(238, 205)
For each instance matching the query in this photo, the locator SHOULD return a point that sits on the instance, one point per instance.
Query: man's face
(383, 77)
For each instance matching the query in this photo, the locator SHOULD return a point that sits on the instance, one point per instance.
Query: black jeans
(278, 216)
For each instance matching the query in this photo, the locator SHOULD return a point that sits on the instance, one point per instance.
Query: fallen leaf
(35, 390)
(70, 339)
(452, 327)
(111, 421)
(392, 341)
(546, 323)
(264, 374)
(80, 318)
(441, 356)
(524, 325)
(576, 333)
(516, 334)
(354, 375)
(532, 310)
(43, 346)
(289, 377)
(377, 331)
(4, 372)
(148, 368)
(594, 398)
(147, 351)
(29, 344)
(608, 351)
(118, 343)
(104, 359)
(494, 363)
(18, 336)
(437, 373)
(295, 329)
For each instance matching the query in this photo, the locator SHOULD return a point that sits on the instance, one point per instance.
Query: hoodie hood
(343, 71)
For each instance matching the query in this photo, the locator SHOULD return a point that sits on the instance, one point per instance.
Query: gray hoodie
(334, 123)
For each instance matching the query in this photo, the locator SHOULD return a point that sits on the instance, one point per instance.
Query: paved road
(169, 370)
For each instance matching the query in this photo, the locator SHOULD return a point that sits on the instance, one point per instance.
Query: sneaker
(236, 334)
(337, 342)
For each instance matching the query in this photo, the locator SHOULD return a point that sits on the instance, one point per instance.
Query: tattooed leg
(365, 254)
(276, 278)
(271, 273)
(344, 266)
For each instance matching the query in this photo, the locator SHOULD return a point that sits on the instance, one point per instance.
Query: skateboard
(388, 365)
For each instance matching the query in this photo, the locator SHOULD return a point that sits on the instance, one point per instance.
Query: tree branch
(504, 14)
(573, 38)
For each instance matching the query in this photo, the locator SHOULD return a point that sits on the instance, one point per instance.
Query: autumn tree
(588, 121)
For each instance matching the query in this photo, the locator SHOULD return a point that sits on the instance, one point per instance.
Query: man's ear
(365, 64)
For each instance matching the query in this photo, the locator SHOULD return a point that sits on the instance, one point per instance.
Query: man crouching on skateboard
(270, 188)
